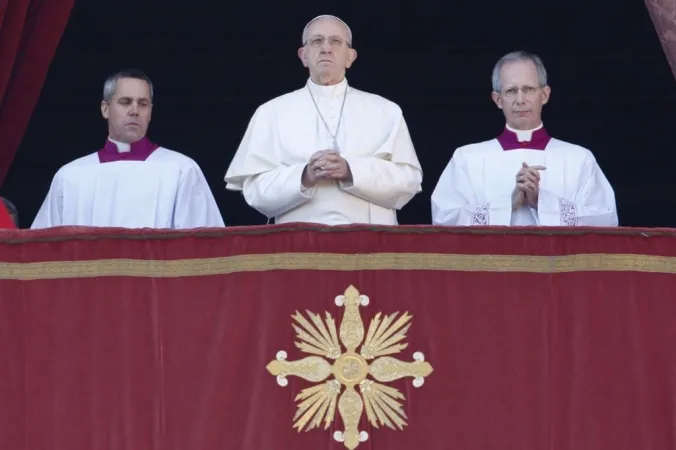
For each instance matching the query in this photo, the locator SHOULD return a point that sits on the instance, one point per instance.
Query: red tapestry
(450, 339)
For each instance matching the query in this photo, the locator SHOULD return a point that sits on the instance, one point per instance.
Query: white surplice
(167, 190)
(476, 187)
(286, 131)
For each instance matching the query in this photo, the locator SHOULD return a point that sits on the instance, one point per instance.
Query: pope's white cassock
(286, 131)
(476, 186)
(130, 186)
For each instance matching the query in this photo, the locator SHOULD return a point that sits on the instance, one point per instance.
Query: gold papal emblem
(367, 369)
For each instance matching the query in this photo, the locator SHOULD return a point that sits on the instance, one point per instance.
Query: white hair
(519, 56)
(326, 16)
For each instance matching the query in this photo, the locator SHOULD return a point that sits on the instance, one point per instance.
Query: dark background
(213, 63)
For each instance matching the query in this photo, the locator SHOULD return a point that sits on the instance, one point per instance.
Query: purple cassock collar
(538, 141)
(138, 151)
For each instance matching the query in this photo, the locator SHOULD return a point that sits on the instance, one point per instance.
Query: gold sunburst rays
(350, 369)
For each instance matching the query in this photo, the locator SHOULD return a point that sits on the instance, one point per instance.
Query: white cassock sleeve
(591, 202)
(51, 211)
(195, 203)
(257, 170)
(455, 201)
(390, 178)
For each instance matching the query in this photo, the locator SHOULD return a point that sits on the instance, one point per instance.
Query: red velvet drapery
(6, 221)
(663, 15)
(538, 339)
(30, 31)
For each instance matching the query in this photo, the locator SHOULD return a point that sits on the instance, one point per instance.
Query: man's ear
(351, 56)
(546, 92)
(302, 54)
(496, 98)
(104, 109)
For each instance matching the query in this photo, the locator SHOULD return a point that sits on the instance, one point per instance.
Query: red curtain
(6, 221)
(538, 339)
(30, 31)
(663, 15)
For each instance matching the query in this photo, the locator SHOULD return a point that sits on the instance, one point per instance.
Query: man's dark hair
(111, 82)
(11, 209)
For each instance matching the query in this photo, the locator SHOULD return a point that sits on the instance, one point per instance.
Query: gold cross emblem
(350, 369)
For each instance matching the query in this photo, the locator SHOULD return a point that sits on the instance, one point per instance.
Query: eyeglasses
(319, 41)
(528, 91)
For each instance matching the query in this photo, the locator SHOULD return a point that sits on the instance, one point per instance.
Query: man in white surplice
(131, 182)
(327, 153)
(524, 176)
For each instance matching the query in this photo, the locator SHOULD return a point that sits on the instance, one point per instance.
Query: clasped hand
(527, 186)
(326, 165)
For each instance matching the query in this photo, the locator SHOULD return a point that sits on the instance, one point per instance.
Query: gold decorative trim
(337, 262)
(75, 234)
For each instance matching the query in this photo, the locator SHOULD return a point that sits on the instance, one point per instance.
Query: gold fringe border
(338, 262)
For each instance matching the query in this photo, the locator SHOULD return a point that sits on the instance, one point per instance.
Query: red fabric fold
(6, 221)
(30, 31)
(662, 15)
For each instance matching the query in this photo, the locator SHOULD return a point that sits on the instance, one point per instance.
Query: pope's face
(128, 111)
(521, 98)
(326, 52)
